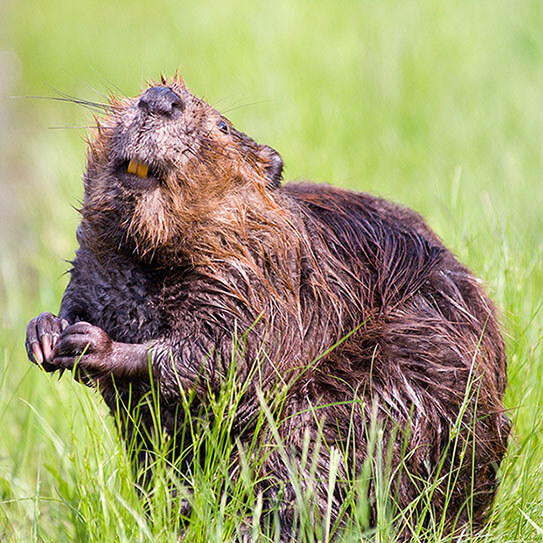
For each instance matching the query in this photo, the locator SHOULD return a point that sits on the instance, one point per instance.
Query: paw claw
(46, 346)
(41, 337)
(36, 350)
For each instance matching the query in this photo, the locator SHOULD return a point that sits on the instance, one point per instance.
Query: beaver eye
(223, 127)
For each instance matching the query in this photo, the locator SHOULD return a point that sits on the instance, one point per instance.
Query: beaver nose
(161, 101)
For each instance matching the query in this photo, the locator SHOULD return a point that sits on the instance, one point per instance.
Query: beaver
(189, 238)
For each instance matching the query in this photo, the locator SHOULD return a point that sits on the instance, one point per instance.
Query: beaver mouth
(137, 175)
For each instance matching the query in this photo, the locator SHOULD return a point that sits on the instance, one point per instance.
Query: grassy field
(434, 104)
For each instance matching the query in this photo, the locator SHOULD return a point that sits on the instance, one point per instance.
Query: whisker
(96, 91)
(79, 127)
(109, 81)
(217, 102)
(245, 105)
(193, 155)
(208, 144)
(70, 97)
(202, 161)
(95, 106)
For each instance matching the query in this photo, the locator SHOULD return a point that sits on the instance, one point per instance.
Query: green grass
(434, 104)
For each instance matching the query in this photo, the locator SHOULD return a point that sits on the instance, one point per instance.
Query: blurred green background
(435, 104)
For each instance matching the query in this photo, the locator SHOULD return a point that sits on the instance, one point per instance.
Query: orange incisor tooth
(132, 166)
(142, 169)
(137, 167)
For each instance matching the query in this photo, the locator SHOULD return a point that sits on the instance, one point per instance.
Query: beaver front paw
(84, 349)
(42, 334)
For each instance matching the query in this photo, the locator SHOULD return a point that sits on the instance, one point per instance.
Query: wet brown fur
(218, 246)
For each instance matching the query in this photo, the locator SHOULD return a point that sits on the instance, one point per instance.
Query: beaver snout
(161, 101)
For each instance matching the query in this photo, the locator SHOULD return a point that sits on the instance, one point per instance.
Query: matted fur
(216, 245)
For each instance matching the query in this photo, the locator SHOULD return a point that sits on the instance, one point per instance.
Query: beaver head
(165, 162)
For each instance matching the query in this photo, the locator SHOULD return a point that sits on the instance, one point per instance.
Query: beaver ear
(274, 166)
